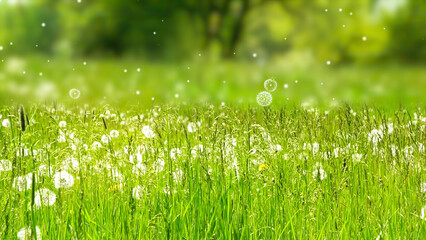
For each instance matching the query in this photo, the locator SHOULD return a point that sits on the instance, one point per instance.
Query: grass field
(183, 151)
(109, 81)
(212, 172)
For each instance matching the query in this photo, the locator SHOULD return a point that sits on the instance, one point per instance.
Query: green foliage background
(221, 27)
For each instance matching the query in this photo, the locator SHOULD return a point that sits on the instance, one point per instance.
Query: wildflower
(114, 134)
(23, 183)
(5, 123)
(375, 136)
(159, 165)
(379, 236)
(114, 174)
(177, 175)
(139, 169)
(105, 139)
(96, 145)
(394, 150)
(197, 149)
(25, 233)
(61, 137)
(408, 152)
(62, 179)
(315, 148)
(174, 153)
(5, 165)
(62, 124)
(423, 213)
(356, 157)
(116, 187)
(423, 187)
(146, 130)
(71, 164)
(44, 197)
(421, 147)
(263, 166)
(137, 192)
(318, 172)
(43, 170)
(337, 151)
(137, 157)
(192, 127)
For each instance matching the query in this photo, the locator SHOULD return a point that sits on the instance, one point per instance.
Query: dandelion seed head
(74, 93)
(62, 124)
(192, 127)
(137, 192)
(5, 123)
(62, 179)
(25, 233)
(44, 197)
(264, 99)
(270, 85)
(5, 165)
(114, 133)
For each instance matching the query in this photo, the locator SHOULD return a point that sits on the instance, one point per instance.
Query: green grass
(221, 192)
(103, 81)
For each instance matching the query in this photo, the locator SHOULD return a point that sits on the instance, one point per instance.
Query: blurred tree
(408, 29)
(176, 29)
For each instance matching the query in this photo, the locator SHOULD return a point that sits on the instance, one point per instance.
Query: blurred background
(320, 52)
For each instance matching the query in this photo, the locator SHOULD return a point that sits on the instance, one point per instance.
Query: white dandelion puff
(105, 139)
(375, 136)
(96, 145)
(71, 164)
(159, 165)
(423, 187)
(5, 165)
(196, 150)
(136, 158)
(318, 172)
(44, 170)
(74, 93)
(44, 197)
(356, 157)
(264, 99)
(423, 213)
(62, 179)
(62, 124)
(137, 192)
(61, 138)
(277, 148)
(270, 85)
(315, 148)
(5, 123)
(139, 169)
(175, 153)
(192, 127)
(114, 134)
(177, 175)
(23, 183)
(147, 131)
(25, 233)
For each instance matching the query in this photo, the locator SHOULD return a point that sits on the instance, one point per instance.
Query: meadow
(212, 171)
(219, 119)
(132, 82)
